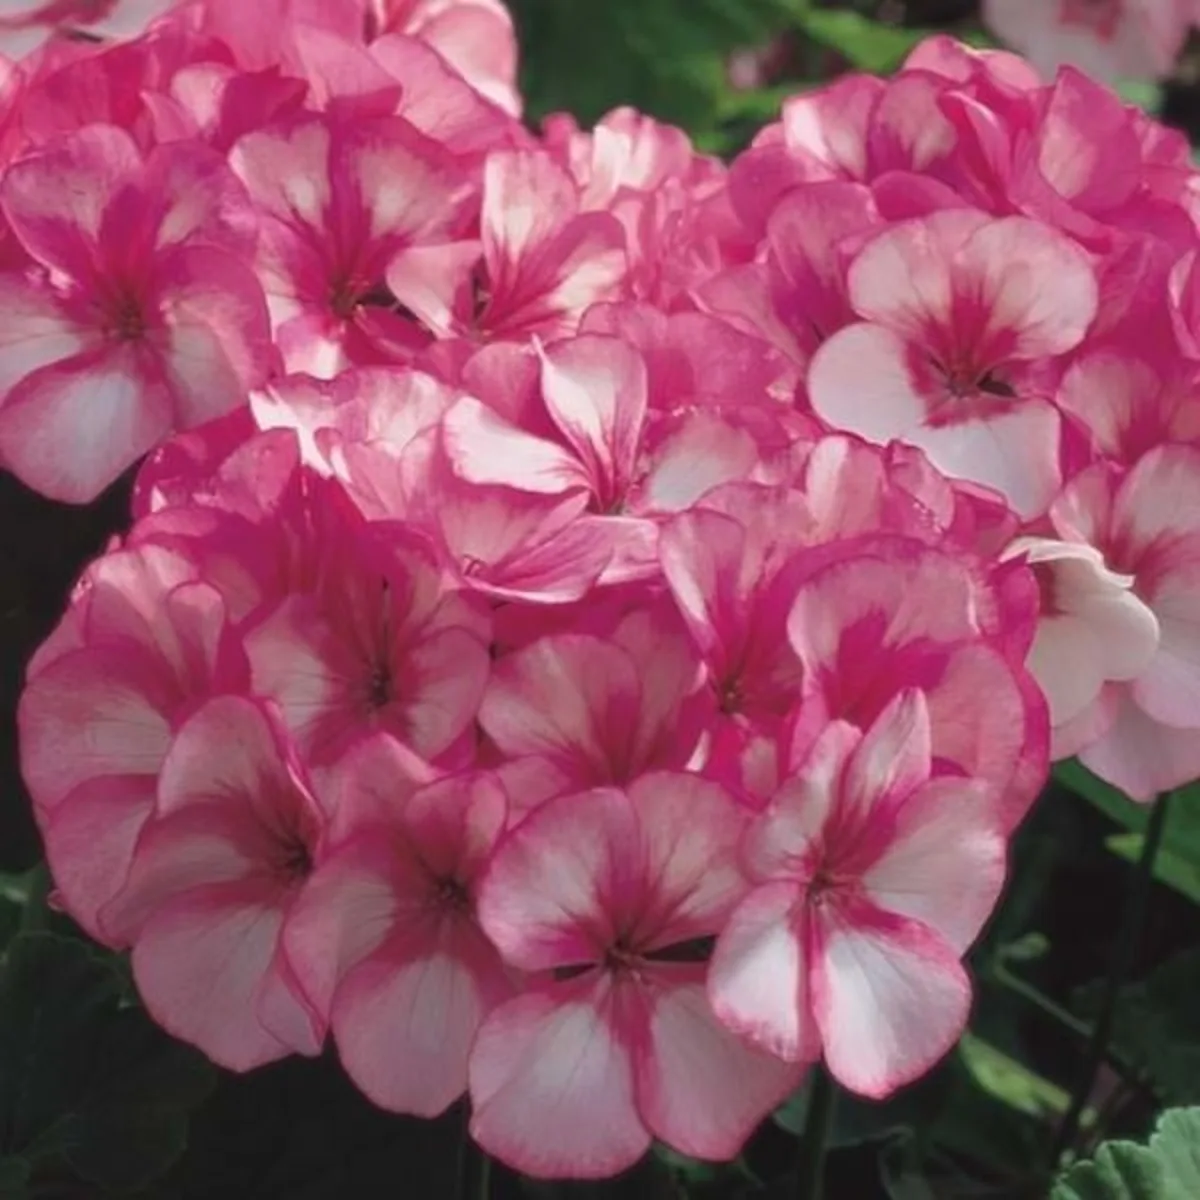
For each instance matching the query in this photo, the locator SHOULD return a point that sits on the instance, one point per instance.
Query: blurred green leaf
(667, 58)
(1178, 861)
(1009, 1081)
(1170, 867)
(1167, 1169)
(1142, 94)
(866, 44)
(1073, 775)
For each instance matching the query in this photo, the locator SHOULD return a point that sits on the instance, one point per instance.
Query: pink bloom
(372, 639)
(898, 614)
(1110, 39)
(502, 543)
(586, 709)
(215, 876)
(141, 319)
(142, 645)
(872, 876)
(342, 195)
(627, 154)
(539, 263)
(259, 34)
(591, 427)
(385, 937)
(36, 20)
(604, 895)
(960, 312)
(1140, 732)
(1129, 403)
(733, 565)
(475, 37)
(1092, 628)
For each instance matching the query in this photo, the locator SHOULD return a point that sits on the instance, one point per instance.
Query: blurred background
(720, 67)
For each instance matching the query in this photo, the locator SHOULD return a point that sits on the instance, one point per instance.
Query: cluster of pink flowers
(593, 616)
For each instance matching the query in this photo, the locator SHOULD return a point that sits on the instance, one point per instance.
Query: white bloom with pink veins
(871, 878)
(606, 898)
(961, 316)
(1141, 731)
(1093, 627)
(1109, 39)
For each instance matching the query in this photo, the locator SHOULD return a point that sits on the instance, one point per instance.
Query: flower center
(451, 895)
(379, 686)
(295, 859)
(126, 320)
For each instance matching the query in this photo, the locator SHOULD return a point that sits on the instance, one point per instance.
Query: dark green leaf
(14, 1179)
(84, 1081)
(1157, 1027)
(300, 1130)
(1178, 862)
(901, 1172)
(1167, 1169)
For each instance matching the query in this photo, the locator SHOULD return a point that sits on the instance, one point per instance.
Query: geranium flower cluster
(593, 617)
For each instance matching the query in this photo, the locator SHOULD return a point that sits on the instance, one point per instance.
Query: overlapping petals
(593, 615)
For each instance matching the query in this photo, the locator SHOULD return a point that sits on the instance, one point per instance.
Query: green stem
(35, 914)
(810, 1164)
(1133, 919)
(485, 1177)
(1014, 983)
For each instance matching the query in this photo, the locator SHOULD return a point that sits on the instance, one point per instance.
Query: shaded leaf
(1167, 1169)
(84, 1081)
(1178, 861)
(1157, 1027)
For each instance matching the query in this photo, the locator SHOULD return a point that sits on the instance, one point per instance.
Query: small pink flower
(960, 311)
(896, 614)
(140, 318)
(215, 876)
(586, 709)
(1140, 731)
(385, 937)
(342, 195)
(872, 876)
(604, 896)
(539, 263)
(476, 37)
(143, 644)
(372, 640)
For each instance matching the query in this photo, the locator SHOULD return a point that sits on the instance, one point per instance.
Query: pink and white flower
(215, 876)
(603, 897)
(1139, 730)
(1110, 39)
(385, 936)
(872, 875)
(139, 316)
(963, 316)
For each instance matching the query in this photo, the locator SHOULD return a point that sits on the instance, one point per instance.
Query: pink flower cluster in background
(593, 617)
(1109, 39)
